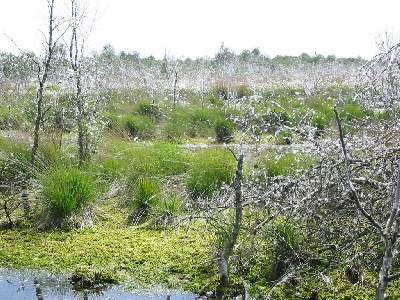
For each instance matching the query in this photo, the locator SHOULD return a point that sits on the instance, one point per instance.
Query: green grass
(282, 164)
(183, 123)
(209, 170)
(127, 159)
(146, 194)
(67, 191)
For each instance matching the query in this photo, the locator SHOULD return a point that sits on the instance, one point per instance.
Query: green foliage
(276, 118)
(287, 236)
(209, 170)
(136, 160)
(13, 175)
(177, 125)
(159, 159)
(320, 121)
(224, 130)
(18, 155)
(276, 164)
(146, 195)
(67, 190)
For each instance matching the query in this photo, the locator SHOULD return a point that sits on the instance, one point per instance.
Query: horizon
(194, 30)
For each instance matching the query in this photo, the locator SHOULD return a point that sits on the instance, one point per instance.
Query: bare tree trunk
(38, 121)
(175, 86)
(224, 255)
(42, 81)
(223, 274)
(76, 52)
(384, 273)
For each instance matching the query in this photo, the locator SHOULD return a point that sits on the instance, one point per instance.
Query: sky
(194, 28)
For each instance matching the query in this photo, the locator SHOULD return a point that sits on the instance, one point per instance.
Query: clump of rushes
(170, 207)
(138, 126)
(67, 191)
(210, 169)
(146, 195)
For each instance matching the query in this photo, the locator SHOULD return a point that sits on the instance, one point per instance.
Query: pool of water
(21, 285)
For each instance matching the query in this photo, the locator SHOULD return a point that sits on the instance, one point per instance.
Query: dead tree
(43, 69)
(76, 55)
(388, 229)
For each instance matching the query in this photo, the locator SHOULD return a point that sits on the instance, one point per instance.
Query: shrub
(146, 195)
(224, 130)
(275, 164)
(209, 170)
(67, 191)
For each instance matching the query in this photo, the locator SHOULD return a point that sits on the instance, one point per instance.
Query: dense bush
(209, 170)
(224, 130)
(67, 191)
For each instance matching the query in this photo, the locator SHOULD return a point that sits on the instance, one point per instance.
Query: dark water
(21, 285)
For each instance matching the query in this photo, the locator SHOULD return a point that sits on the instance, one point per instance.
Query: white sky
(197, 27)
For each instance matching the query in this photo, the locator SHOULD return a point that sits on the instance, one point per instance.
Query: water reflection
(21, 285)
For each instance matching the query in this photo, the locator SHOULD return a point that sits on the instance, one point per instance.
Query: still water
(25, 285)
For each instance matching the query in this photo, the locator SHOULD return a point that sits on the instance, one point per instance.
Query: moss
(174, 259)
